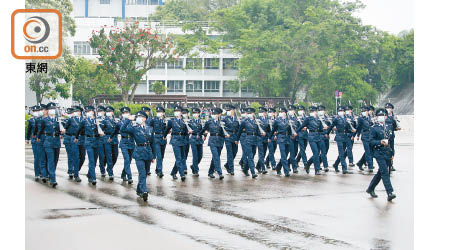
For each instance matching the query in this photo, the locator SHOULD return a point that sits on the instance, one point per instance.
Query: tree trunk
(124, 96)
(133, 91)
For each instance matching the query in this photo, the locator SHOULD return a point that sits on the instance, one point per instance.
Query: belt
(92, 136)
(195, 134)
(70, 134)
(158, 133)
(126, 137)
(252, 133)
(314, 132)
(52, 135)
(285, 133)
(179, 133)
(142, 144)
(215, 134)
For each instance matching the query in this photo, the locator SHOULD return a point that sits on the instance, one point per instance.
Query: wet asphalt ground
(331, 211)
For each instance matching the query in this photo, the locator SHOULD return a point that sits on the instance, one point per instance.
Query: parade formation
(143, 137)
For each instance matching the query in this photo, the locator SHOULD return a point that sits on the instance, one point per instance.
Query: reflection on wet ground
(331, 211)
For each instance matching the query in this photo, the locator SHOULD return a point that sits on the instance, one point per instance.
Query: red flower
(112, 48)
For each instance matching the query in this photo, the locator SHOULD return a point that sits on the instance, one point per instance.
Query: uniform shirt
(392, 125)
(196, 126)
(364, 124)
(378, 132)
(142, 135)
(341, 127)
(314, 126)
(294, 122)
(111, 129)
(264, 124)
(32, 129)
(351, 120)
(89, 127)
(251, 129)
(231, 126)
(281, 130)
(179, 131)
(159, 126)
(301, 133)
(50, 131)
(126, 139)
(216, 134)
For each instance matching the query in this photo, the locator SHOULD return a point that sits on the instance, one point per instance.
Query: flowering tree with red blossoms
(129, 52)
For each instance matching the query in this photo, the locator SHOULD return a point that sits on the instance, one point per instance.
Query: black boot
(372, 193)
(391, 196)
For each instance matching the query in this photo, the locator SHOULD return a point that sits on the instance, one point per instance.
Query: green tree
(159, 88)
(129, 52)
(91, 80)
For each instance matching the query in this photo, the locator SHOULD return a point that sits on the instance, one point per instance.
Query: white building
(203, 76)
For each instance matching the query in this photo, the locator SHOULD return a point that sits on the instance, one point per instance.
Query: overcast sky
(388, 15)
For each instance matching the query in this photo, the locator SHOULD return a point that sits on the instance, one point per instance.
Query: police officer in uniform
(32, 131)
(280, 133)
(391, 122)
(293, 142)
(185, 114)
(231, 124)
(51, 132)
(142, 135)
(101, 143)
(40, 143)
(242, 140)
(215, 142)
(362, 130)
(315, 129)
(77, 150)
(148, 112)
(271, 143)
(110, 128)
(67, 141)
(379, 140)
(196, 140)
(90, 128)
(342, 126)
(251, 129)
(126, 146)
(178, 142)
(262, 139)
(302, 137)
(325, 143)
(158, 124)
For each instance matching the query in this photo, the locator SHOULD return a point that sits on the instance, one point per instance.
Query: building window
(193, 63)
(160, 64)
(247, 89)
(151, 82)
(230, 63)
(174, 86)
(153, 2)
(194, 86)
(211, 63)
(228, 87)
(94, 51)
(212, 86)
(177, 64)
(104, 1)
(81, 48)
(142, 2)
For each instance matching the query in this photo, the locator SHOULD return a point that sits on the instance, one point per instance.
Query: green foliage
(91, 80)
(64, 6)
(159, 88)
(129, 52)
(255, 105)
(135, 108)
(27, 117)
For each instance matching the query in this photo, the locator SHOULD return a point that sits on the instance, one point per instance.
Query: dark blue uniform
(159, 141)
(92, 137)
(382, 154)
(178, 137)
(142, 135)
(250, 128)
(32, 132)
(78, 150)
(231, 125)
(349, 139)
(315, 129)
(50, 133)
(262, 143)
(127, 147)
(282, 131)
(363, 129)
(110, 142)
(293, 142)
(215, 143)
(196, 143)
(271, 145)
(302, 139)
(341, 139)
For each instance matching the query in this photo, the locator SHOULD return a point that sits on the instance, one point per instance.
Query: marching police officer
(32, 131)
(51, 132)
(243, 160)
(215, 141)
(293, 142)
(393, 125)
(185, 114)
(196, 140)
(379, 140)
(178, 142)
(110, 141)
(302, 137)
(77, 150)
(325, 143)
(148, 112)
(40, 143)
(92, 136)
(251, 129)
(262, 139)
(101, 143)
(271, 143)
(315, 129)
(158, 124)
(362, 130)
(342, 126)
(231, 124)
(68, 144)
(126, 146)
(280, 133)
(142, 135)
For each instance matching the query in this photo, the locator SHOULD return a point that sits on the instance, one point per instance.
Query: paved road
(331, 211)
